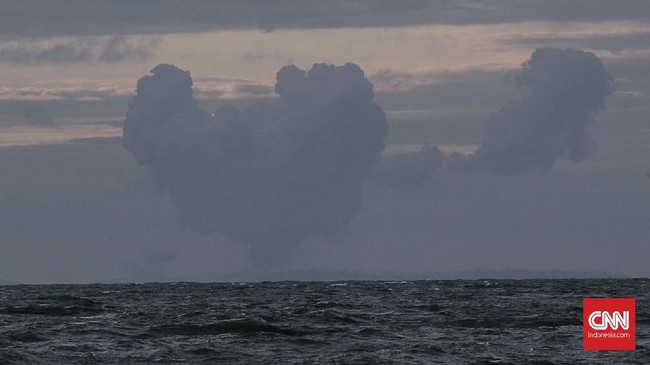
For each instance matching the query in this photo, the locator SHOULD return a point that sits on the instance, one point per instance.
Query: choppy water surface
(371, 322)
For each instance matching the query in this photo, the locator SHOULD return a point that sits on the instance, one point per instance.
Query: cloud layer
(86, 49)
(68, 17)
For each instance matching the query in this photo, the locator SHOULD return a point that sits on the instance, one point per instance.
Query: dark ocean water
(356, 322)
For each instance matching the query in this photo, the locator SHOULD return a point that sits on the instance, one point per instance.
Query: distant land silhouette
(359, 275)
(474, 274)
(353, 275)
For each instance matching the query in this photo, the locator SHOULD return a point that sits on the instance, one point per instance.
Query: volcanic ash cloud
(564, 89)
(271, 175)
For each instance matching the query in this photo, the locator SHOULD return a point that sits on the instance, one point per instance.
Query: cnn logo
(608, 324)
(601, 320)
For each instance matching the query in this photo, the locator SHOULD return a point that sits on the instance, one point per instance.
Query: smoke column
(269, 175)
(564, 88)
(273, 175)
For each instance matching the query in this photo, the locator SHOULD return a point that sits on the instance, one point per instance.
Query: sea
(293, 322)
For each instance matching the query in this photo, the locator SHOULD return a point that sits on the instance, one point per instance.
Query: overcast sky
(447, 73)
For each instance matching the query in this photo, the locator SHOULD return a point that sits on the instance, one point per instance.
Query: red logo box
(608, 324)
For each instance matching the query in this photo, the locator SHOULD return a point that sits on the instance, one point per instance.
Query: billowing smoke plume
(273, 175)
(270, 175)
(565, 88)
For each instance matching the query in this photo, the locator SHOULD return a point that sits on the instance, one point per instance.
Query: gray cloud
(632, 84)
(207, 92)
(406, 170)
(94, 49)
(30, 113)
(632, 72)
(117, 49)
(462, 90)
(60, 53)
(270, 175)
(564, 89)
(611, 42)
(243, 89)
(64, 93)
(220, 79)
(69, 17)
(254, 89)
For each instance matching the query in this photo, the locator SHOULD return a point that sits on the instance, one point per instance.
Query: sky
(432, 137)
